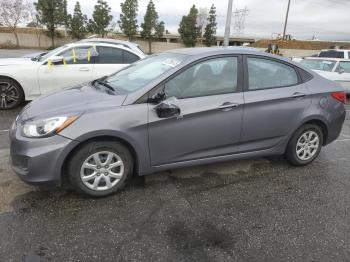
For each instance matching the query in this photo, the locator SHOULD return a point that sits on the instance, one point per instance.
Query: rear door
(275, 102)
(211, 103)
(111, 60)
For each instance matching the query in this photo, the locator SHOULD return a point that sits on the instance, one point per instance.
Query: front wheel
(11, 94)
(100, 168)
(305, 145)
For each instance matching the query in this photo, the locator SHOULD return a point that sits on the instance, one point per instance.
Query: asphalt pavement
(251, 210)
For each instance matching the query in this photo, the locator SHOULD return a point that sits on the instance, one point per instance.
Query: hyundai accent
(179, 108)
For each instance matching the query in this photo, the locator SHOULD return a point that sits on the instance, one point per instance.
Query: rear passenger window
(331, 54)
(110, 55)
(264, 73)
(130, 58)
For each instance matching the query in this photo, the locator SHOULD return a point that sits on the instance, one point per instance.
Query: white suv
(335, 53)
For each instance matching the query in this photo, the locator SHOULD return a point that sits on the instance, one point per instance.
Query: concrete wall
(30, 40)
(27, 40)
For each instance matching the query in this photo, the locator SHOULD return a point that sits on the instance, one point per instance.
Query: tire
(298, 145)
(100, 174)
(11, 94)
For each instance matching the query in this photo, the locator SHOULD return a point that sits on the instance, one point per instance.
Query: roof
(207, 51)
(326, 58)
(108, 40)
(210, 50)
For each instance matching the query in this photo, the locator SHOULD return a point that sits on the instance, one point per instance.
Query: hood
(78, 99)
(16, 61)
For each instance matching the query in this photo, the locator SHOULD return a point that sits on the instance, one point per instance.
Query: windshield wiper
(102, 81)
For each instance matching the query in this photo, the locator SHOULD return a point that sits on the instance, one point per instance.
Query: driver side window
(211, 77)
(79, 55)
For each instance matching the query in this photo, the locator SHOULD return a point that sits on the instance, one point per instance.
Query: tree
(77, 23)
(210, 29)
(128, 21)
(39, 30)
(151, 28)
(101, 18)
(188, 28)
(202, 21)
(50, 13)
(12, 13)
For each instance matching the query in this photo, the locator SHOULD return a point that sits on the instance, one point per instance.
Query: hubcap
(102, 171)
(9, 95)
(307, 145)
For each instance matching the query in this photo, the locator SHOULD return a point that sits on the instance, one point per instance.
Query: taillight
(340, 96)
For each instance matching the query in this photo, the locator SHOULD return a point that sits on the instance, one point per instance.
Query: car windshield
(144, 71)
(51, 53)
(322, 65)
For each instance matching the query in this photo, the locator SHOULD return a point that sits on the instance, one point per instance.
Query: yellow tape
(49, 64)
(89, 55)
(64, 62)
(74, 56)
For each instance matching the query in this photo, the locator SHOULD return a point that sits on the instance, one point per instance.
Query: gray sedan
(180, 108)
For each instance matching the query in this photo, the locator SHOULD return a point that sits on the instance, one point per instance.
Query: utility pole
(285, 23)
(228, 23)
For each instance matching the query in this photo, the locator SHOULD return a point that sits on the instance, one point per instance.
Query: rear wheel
(11, 94)
(100, 168)
(305, 145)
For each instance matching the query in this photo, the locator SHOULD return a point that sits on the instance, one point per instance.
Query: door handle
(298, 95)
(228, 105)
(84, 69)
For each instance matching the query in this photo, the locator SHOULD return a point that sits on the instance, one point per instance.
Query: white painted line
(4, 131)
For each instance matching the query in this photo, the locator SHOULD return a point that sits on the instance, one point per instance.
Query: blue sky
(327, 19)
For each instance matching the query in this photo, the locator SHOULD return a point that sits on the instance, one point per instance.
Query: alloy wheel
(9, 95)
(102, 171)
(307, 145)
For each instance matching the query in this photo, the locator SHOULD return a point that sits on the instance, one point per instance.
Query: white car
(28, 78)
(334, 69)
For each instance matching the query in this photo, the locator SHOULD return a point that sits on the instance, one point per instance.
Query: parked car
(331, 68)
(28, 78)
(133, 46)
(179, 108)
(335, 53)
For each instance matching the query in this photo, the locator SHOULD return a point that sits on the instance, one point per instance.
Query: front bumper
(39, 160)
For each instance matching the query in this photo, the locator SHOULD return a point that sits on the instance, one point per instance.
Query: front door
(211, 103)
(77, 68)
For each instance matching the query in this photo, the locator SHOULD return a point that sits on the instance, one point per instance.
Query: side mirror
(56, 59)
(341, 71)
(166, 110)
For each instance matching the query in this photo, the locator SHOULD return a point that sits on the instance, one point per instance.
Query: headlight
(47, 127)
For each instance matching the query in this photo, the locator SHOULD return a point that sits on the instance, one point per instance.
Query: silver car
(180, 108)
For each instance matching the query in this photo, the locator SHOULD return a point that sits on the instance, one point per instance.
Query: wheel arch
(14, 80)
(320, 123)
(127, 144)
